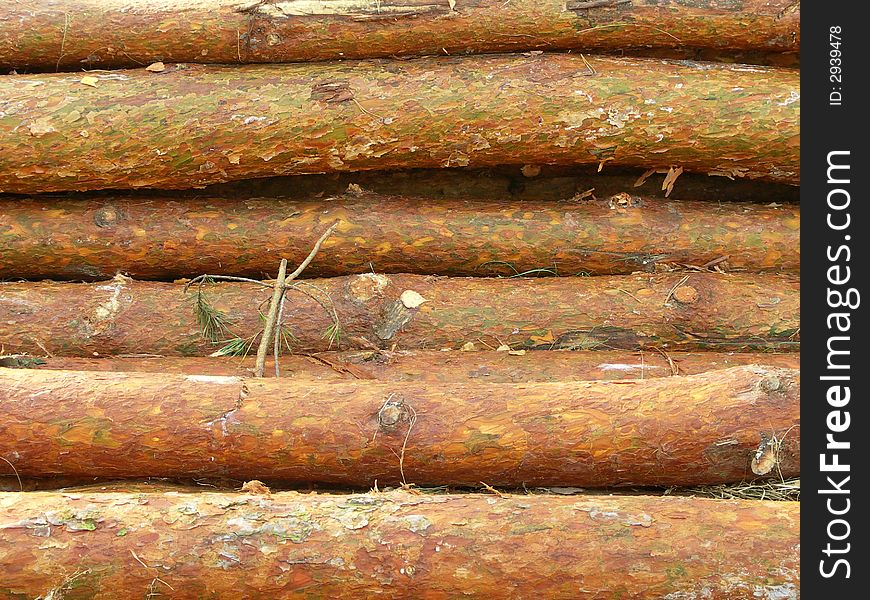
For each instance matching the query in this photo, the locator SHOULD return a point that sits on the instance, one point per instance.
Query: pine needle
(213, 323)
(333, 334)
(235, 347)
(781, 490)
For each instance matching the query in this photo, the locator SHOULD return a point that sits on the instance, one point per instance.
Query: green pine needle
(235, 347)
(333, 334)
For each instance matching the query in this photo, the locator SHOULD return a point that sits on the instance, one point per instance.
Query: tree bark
(677, 311)
(396, 545)
(95, 239)
(72, 34)
(445, 367)
(192, 125)
(693, 430)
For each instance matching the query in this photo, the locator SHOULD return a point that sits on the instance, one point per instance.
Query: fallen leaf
(517, 352)
(503, 348)
(468, 347)
(89, 81)
(411, 299)
(156, 67)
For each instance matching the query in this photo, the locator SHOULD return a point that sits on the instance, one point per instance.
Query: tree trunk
(438, 367)
(46, 34)
(698, 429)
(677, 311)
(94, 239)
(396, 545)
(191, 125)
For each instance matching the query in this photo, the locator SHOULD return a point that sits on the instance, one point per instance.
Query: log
(192, 125)
(692, 430)
(396, 545)
(435, 366)
(70, 35)
(95, 239)
(675, 311)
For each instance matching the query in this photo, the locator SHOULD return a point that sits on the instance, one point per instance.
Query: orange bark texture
(395, 545)
(698, 429)
(194, 125)
(100, 34)
(162, 237)
(121, 316)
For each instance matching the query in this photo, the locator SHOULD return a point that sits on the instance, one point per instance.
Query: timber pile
(513, 278)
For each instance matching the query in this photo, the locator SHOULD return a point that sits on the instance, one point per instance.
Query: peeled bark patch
(103, 34)
(159, 237)
(190, 125)
(397, 545)
(436, 366)
(733, 312)
(698, 429)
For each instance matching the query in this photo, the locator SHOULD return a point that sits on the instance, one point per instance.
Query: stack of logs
(553, 284)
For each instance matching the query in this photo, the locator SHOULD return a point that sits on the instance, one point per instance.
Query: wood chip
(670, 179)
(157, 67)
(411, 299)
(256, 487)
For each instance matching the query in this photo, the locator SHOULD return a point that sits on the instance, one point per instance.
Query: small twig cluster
(215, 325)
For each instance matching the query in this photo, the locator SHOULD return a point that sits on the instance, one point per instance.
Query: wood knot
(685, 294)
(106, 217)
(390, 414)
(770, 383)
